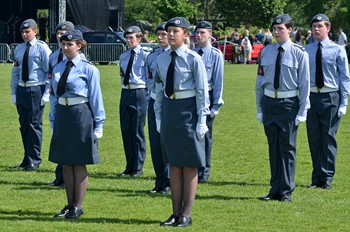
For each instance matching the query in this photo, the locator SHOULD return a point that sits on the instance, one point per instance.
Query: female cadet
(78, 120)
(181, 107)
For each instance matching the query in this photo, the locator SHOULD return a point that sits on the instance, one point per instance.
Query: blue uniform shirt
(294, 73)
(152, 69)
(334, 66)
(38, 64)
(139, 71)
(214, 64)
(190, 74)
(83, 81)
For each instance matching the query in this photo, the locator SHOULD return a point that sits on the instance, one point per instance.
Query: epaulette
(86, 61)
(299, 46)
(215, 49)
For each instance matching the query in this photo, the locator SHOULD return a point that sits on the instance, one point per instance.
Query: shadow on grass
(13, 169)
(25, 215)
(219, 183)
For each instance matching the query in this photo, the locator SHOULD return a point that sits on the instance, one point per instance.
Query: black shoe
(56, 182)
(202, 181)
(170, 221)
(136, 174)
(153, 191)
(313, 186)
(21, 165)
(165, 191)
(327, 185)
(63, 212)
(124, 173)
(32, 167)
(183, 221)
(269, 197)
(286, 198)
(74, 212)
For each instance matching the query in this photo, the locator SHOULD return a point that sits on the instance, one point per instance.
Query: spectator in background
(299, 38)
(267, 37)
(237, 49)
(246, 33)
(145, 37)
(342, 38)
(259, 36)
(309, 37)
(247, 49)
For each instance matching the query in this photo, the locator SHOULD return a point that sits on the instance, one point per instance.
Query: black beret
(72, 35)
(161, 27)
(28, 23)
(178, 22)
(65, 25)
(281, 19)
(204, 25)
(132, 29)
(319, 18)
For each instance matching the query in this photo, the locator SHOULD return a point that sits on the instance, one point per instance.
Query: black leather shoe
(327, 185)
(63, 212)
(153, 191)
(74, 212)
(21, 165)
(32, 167)
(165, 190)
(170, 221)
(136, 174)
(183, 221)
(124, 173)
(56, 182)
(269, 197)
(286, 198)
(202, 181)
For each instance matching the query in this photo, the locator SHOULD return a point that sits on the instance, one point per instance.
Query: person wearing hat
(133, 102)
(214, 64)
(56, 57)
(30, 91)
(161, 168)
(330, 86)
(181, 108)
(282, 98)
(78, 117)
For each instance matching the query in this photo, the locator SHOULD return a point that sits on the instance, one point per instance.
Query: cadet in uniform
(214, 64)
(330, 86)
(133, 102)
(161, 168)
(181, 108)
(56, 57)
(78, 119)
(30, 91)
(282, 97)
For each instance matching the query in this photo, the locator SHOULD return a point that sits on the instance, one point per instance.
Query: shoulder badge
(299, 46)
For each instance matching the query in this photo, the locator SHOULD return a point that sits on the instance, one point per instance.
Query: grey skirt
(180, 145)
(72, 142)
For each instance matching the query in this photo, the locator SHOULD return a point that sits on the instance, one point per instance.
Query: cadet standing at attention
(133, 102)
(181, 108)
(330, 86)
(30, 91)
(161, 168)
(282, 97)
(214, 64)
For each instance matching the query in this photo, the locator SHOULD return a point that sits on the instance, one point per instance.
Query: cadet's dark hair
(290, 24)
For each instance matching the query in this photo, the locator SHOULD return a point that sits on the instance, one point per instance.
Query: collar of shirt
(33, 41)
(179, 51)
(137, 49)
(75, 60)
(206, 48)
(285, 46)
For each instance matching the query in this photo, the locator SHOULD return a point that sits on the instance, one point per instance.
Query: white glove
(341, 111)
(98, 133)
(259, 116)
(299, 119)
(201, 129)
(14, 99)
(213, 113)
(158, 125)
(45, 99)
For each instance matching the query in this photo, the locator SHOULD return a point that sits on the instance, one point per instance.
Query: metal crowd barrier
(4, 53)
(12, 51)
(104, 53)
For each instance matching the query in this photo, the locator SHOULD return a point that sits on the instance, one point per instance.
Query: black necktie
(60, 56)
(61, 87)
(200, 52)
(169, 86)
(25, 72)
(128, 69)
(319, 71)
(276, 82)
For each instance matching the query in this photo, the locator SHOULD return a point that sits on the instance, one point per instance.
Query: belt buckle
(276, 94)
(128, 86)
(173, 96)
(25, 84)
(318, 90)
(66, 101)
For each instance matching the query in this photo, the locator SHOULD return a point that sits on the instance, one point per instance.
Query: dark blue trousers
(59, 173)
(161, 168)
(279, 124)
(322, 126)
(132, 110)
(30, 118)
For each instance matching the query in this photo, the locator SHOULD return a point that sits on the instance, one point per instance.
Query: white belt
(153, 96)
(284, 94)
(182, 94)
(324, 89)
(29, 84)
(72, 101)
(210, 88)
(133, 86)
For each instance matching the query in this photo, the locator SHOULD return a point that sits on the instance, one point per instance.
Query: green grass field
(228, 202)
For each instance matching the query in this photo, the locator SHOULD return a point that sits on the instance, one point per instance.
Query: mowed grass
(228, 202)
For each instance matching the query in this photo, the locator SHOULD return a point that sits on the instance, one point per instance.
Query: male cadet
(30, 91)
(56, 57)
(282, 97)
(160, 168)
(330, 85)
(214, 64)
